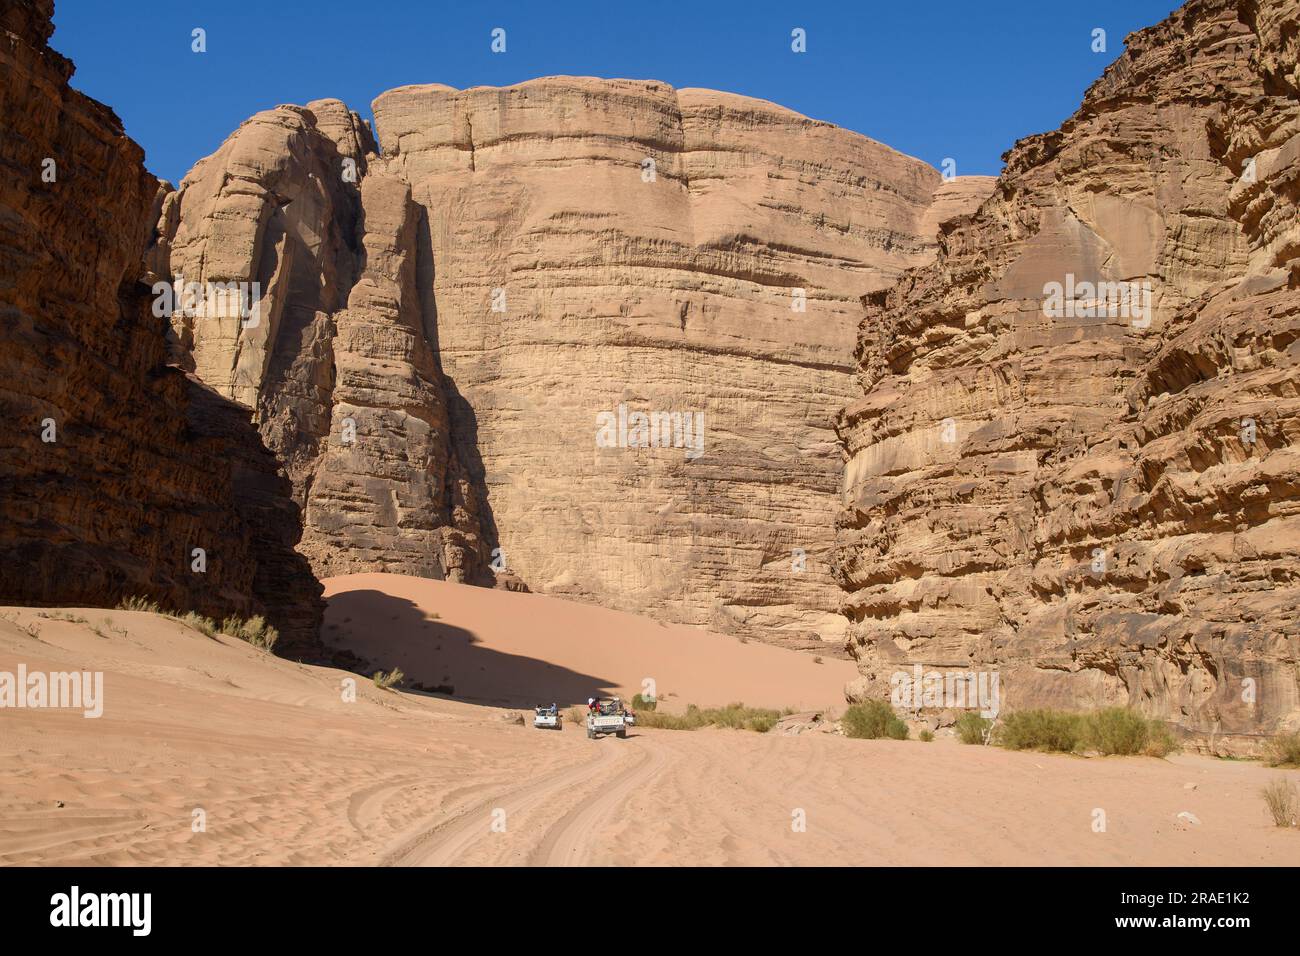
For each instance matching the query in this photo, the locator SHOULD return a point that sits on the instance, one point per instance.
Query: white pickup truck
(547, 718)
(606, 717)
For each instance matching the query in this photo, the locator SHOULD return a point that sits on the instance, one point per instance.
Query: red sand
(288, 771)
(517, 650)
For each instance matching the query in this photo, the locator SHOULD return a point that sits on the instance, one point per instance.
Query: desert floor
(285, 771)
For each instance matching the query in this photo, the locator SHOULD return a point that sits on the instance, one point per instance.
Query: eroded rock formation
(115, 466)
(1101, 501)
(335, 358)
(569, 248)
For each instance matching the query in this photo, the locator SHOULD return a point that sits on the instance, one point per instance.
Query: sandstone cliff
(335, 361)
(1102, 504)
(115, 466)
(548, 254)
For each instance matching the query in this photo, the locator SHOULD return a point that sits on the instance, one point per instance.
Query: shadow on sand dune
(448, 660)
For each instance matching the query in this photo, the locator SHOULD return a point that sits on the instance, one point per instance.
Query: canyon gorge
(904, 457)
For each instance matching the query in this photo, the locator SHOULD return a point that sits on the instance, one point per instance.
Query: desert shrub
(926, 736)
(255, 631)
(1109, 731)
(972, 728)
(258, 633)
(1118, 730)
(1283, 750)
(1160, 740)
(644, 703)
(1041, 730)
(873, 719)
(735, 716)
(136, 603)
(761, 723)
(65, 616)
(662, 721)
(204, 625)
(391, 679)
(1115, 730)
(1281, 800)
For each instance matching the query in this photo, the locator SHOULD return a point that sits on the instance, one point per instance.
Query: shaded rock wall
(145, 463)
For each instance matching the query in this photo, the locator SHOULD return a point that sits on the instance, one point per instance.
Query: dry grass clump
(254, 630)
(1283, 750)
(1283, 803)
(136, 603)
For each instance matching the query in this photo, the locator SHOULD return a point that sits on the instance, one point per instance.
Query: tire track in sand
(568, 841)
(443, 843)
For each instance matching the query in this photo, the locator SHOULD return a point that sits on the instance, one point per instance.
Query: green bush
(1109, 731)
(734, 716)
(1116, 730)
(1041, 730)
(972, 728)
(871, 720)
(644, 703)
(762, 723)
(926, 736)
(1124, 732)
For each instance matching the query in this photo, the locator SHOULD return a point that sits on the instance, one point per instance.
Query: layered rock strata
(1076, 462)
(577, 253)
(336, 358)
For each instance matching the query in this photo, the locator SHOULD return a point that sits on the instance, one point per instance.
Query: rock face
(393, 497)
(536, 267)
(336, 358)
(613, 247)
(1101, 501)
(115, 466)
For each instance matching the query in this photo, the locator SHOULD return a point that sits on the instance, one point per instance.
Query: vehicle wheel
(622, 734)
(591, 735)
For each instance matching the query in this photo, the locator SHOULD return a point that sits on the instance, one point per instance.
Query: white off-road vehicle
(606, 716)
(548, 718)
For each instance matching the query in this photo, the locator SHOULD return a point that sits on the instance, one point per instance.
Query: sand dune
(286, 771)
(512, 649)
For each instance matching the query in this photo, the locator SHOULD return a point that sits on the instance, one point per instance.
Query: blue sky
(935, 79)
